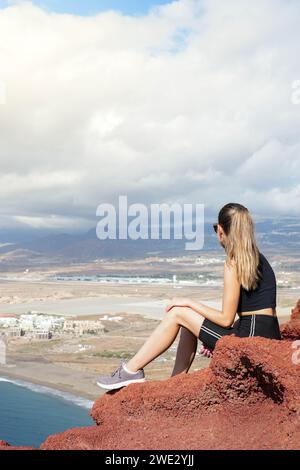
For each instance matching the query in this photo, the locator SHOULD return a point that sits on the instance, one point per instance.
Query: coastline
(79, 395)
(139, 305)
(76, 385)
(79, 401)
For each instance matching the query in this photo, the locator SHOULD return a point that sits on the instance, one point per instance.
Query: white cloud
(189, 103)
(275, 164)
(51, 222)
(276, 199)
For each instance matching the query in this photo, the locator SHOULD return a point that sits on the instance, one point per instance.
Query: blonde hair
(240, 244)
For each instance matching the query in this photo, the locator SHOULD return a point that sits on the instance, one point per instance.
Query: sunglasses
(215, 226)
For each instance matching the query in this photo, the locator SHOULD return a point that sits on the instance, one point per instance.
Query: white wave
(78, 401)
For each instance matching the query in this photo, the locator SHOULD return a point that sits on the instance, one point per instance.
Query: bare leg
(165, 334)
(186, 351)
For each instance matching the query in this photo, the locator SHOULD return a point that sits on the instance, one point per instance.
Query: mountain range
(282, 236)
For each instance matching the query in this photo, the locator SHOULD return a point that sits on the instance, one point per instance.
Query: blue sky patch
(91, 7)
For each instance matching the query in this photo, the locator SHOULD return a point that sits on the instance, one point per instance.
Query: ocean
(30, 413)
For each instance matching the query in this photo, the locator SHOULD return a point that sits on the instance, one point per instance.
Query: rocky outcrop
(291, 329)
(248, 398)
(5, 446)
(296, 312)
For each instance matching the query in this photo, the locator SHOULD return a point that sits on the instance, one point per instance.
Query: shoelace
(117, 370)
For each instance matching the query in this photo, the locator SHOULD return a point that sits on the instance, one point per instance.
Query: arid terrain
(71, 363)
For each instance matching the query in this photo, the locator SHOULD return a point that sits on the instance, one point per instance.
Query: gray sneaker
(120, 378)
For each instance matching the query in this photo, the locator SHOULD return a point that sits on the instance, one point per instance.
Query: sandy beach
(55, 377)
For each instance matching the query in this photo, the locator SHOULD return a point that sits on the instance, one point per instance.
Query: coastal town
(39, 326)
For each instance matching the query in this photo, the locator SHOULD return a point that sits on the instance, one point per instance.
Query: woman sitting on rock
(249, 290)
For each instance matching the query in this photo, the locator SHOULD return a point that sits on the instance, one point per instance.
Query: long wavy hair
(240, 244)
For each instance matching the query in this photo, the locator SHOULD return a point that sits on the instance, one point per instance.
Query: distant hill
(280, 235)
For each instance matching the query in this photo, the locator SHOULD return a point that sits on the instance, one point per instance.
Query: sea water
(30, 413)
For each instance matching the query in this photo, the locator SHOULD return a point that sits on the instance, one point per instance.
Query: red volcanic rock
(296, 312)
(291, 329)
(248, 398)
(5, 446)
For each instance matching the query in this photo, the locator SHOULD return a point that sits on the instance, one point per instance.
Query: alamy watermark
(295, 97)
(2, 92)
(158, 221)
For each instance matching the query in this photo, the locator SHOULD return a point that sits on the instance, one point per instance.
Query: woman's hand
(205, 351)
(178, 302)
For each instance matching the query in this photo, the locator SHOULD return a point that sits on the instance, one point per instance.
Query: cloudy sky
(183, 101)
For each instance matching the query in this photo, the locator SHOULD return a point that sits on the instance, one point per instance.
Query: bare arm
(230, 301)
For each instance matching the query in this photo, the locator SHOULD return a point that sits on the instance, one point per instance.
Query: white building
(81, 327)
(8, 322)
(14, 332)
(40, 334)
(40, 321)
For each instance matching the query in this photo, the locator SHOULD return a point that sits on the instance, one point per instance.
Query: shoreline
(61, 393)
(79, 396)
(34, 386)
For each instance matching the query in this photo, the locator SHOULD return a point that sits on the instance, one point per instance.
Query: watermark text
(159, 221)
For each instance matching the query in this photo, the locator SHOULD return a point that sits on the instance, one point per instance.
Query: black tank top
(264, 296)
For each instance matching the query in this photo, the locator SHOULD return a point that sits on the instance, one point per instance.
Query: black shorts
(246, 326)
